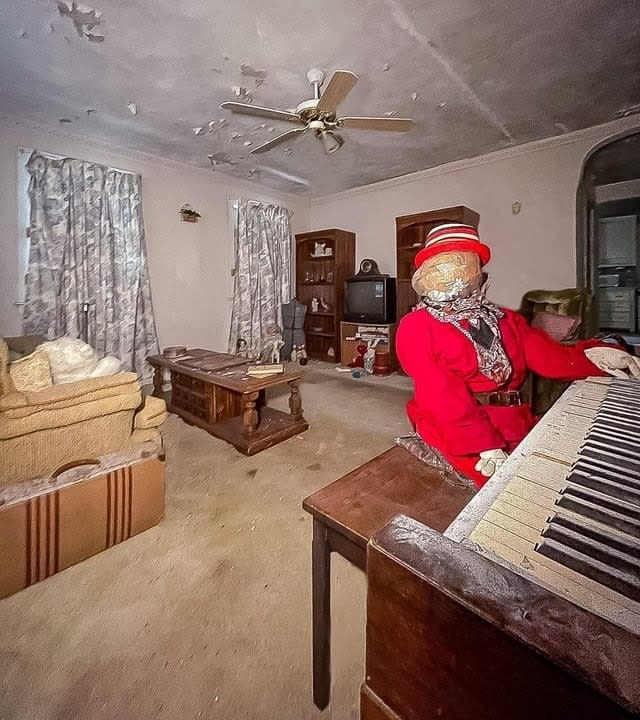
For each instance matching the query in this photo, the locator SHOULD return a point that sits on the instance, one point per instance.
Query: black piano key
(605, 486)
(615, 425)
(620, 443)
(614, 433)
(618, 580)
(621, 410)
(596, 546)
(606, 471)
(570, 499)
(611, 457)
(623, 543)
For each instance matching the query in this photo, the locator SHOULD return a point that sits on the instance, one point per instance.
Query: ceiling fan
(319, 115)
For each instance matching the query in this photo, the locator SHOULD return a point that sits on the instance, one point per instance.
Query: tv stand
(351, 334)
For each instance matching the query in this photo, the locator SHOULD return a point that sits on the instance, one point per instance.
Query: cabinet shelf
(323, 343)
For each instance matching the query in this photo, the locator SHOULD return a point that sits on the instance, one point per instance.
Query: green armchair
(571, 302)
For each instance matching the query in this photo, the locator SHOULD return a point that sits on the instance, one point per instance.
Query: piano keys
(529, 604)
(570, 515)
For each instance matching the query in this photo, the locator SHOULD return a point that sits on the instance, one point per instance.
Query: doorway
(608, 240)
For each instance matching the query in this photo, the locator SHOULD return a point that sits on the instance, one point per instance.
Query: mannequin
(469, 358)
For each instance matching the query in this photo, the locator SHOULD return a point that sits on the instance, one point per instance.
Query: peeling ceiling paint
(476, 75)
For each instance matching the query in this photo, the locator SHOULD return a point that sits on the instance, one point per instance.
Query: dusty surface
(208, 614)
(476, 75)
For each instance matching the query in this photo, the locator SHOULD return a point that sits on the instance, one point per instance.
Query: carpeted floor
(208, 614)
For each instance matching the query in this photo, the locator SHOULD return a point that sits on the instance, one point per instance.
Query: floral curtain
(262, 272)
(87, 274)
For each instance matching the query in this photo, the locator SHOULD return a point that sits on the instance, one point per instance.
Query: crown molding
(128, 154)
(593, 134)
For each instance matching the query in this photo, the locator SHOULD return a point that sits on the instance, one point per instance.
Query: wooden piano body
(455, 631)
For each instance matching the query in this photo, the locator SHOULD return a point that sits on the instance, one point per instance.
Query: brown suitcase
(51, 523)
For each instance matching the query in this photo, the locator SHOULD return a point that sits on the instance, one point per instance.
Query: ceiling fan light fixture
(331, 142)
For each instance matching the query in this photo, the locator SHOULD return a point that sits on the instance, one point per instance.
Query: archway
(607, 198)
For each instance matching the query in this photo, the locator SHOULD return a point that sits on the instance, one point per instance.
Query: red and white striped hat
(450, 237)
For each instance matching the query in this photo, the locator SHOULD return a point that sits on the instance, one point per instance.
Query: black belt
(500, 397)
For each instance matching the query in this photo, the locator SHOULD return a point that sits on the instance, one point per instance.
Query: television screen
(370, 299)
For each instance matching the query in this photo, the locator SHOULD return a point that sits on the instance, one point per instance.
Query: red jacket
(443, 365)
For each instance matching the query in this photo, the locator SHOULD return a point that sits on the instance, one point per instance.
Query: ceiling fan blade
(377, 123)
(245, 109)
(340, 85)
(277, 140)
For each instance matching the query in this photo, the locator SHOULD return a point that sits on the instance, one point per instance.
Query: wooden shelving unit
(322, 277)
(411, 231)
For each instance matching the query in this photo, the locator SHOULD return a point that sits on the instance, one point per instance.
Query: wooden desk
(213, 391)
(349, 511)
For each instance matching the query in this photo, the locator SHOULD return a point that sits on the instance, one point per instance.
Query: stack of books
(263, 370)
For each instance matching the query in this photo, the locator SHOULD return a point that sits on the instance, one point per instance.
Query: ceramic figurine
(241, 348)
(294, 354)
(302, 355)
(272, 343)
(325, 305)
(315, 305)
(369, 358)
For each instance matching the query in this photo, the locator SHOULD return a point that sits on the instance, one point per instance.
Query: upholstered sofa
(45, 429)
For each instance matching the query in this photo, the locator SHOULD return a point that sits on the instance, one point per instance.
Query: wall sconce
(188, 214)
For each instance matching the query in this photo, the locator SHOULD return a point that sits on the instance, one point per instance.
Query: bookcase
(411, 231)
(324, 260)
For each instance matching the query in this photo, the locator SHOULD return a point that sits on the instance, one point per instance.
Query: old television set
(370, 299)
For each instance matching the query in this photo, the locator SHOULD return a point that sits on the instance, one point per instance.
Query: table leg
(158, 377)
(321, 601)
(295, 401)
(249, 412)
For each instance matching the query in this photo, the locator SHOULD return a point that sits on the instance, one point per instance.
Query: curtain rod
(53, 156)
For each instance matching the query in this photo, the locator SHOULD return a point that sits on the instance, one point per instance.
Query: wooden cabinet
(411, 231)
(324, 260)
(352, 334)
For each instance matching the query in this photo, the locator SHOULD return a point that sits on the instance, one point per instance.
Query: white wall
(534, 249)
(189, 262)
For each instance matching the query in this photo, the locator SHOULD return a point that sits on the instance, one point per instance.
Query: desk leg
(249, 413)
(295, 403)
(321, 600)
(158, 377)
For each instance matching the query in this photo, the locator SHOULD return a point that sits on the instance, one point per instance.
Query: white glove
(614, 361)
(490, 461)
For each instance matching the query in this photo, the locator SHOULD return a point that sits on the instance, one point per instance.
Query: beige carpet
(208, 614)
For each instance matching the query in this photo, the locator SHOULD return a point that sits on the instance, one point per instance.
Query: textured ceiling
(477, 76)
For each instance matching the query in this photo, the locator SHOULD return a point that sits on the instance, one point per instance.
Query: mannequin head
(449, 266)
(448, 275)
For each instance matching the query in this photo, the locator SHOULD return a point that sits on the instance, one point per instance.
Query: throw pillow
(31, 373)
(559, 327)
(71, 359)
(109, 365)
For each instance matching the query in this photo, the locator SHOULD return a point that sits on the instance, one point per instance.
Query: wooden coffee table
(213, 391)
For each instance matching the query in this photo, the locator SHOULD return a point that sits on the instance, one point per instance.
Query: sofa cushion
(31, 373)
(152, 414)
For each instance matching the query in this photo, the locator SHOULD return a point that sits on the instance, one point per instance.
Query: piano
(528, 606)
